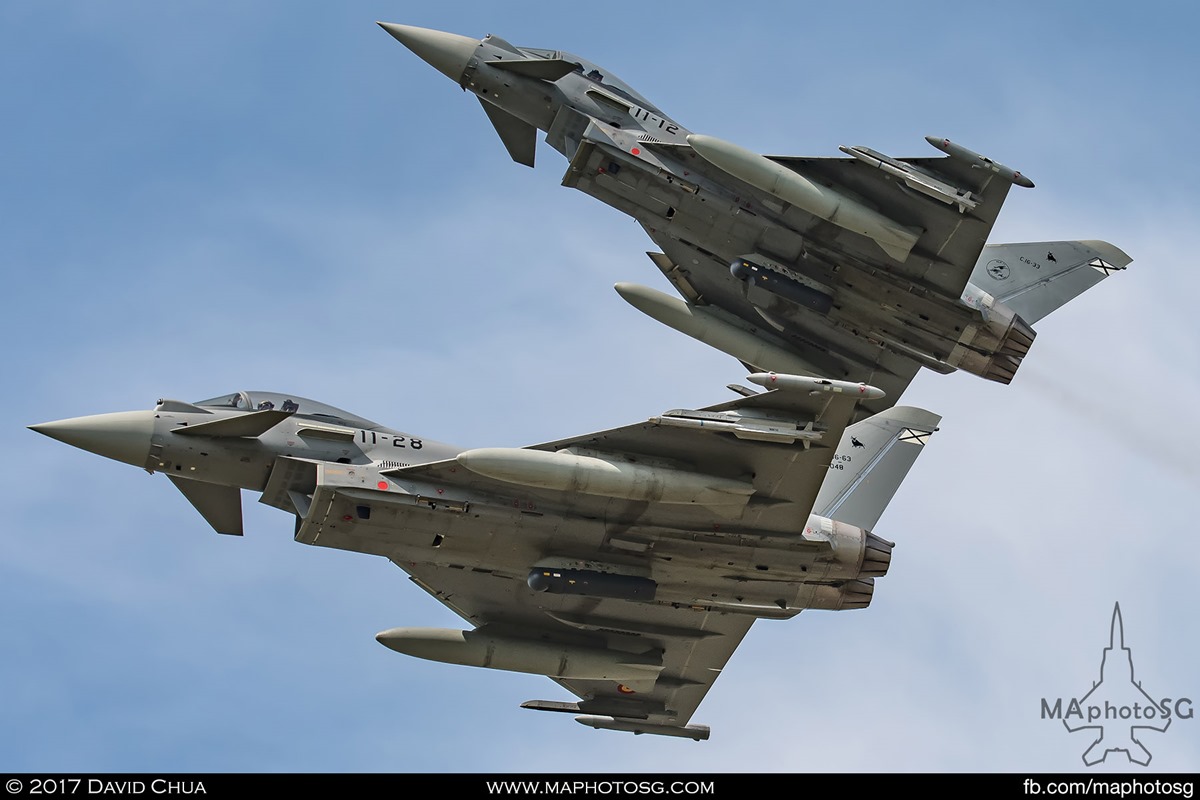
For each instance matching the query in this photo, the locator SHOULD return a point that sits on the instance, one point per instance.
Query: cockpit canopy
(594, 73)
(262, 401)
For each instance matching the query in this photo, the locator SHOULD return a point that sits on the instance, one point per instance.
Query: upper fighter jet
(627, 564)
(863, 268)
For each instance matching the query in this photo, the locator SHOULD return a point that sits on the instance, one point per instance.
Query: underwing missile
(970, 156)
(913, 178)
(821, 201)
(741, 426)
(804, 383)
(696, 732)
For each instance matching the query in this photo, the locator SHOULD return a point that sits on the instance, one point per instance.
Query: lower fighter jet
(626, 565)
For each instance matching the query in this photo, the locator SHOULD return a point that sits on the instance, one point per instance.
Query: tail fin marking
(872, 460)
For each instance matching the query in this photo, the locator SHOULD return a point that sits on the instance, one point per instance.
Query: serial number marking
(397, 441)
(645, 116)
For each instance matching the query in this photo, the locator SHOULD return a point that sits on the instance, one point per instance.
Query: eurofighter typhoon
(862, 268)
(626, 565)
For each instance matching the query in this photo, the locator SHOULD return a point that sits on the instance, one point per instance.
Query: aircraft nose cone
(123, 436)
(448, 53)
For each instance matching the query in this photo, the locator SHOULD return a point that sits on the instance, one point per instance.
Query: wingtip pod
(955, 150)
(804, 383)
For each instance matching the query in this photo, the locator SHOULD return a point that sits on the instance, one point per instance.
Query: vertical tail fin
(1036, 278)
(871, 461)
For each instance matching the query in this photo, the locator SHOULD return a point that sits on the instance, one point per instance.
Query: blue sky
(203, 197)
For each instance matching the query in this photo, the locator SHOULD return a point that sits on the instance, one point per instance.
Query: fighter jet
(626, 565)
(863, 268)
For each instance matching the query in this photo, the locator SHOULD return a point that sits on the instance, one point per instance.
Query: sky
(201, 197)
